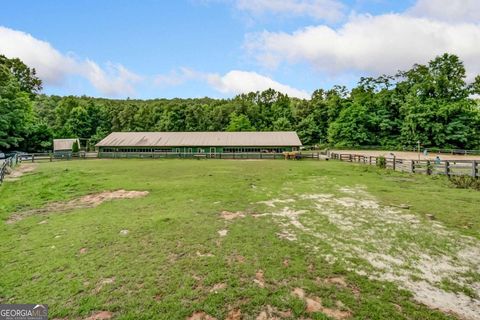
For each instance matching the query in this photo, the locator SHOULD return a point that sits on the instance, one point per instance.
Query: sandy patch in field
(314, 304)
(418, 255)
(102, 315)
(218, 287)
(103, 283)
(235, 314)
(259, 279)
(272, 313)
(88, 201)
(204, 255)
(20, 171)
(227, 215)
(271, 203)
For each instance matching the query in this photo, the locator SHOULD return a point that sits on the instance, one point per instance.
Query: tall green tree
(16, 114)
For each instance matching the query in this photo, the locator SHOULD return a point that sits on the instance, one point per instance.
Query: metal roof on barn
(191, 139)
(64, 144)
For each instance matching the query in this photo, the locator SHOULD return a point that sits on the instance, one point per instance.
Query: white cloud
(232, 83)
(448, 10)
(53, 67)
(329, 10)
(375, 44)
(175, 78)
(236, 82)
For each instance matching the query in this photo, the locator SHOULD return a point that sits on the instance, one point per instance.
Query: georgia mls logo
(23, 312)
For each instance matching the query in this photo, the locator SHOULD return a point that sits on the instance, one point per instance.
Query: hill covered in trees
(430, 103)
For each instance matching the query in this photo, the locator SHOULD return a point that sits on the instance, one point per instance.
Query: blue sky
(219, 48)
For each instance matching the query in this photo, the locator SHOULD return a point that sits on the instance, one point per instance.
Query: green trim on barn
(196, 149)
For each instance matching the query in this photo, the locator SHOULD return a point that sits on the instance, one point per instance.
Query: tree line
(430, 103)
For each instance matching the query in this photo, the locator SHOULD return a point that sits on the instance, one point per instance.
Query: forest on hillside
(431, 103)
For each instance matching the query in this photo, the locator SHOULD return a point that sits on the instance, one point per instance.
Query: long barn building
(198, 142)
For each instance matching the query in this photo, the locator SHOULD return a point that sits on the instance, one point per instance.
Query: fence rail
(429, 167)
(182, 155)
(6, 163)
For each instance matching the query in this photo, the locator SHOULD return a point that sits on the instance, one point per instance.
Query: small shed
(64, 145)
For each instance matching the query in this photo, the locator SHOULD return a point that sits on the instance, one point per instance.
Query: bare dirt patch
(272, 313)
(235, 314)
(418, 255)
(218, 287)
(20, 171)
(222, 233)
(103, 283)
(235, 258)
(203, 255)
(227, 215)
(102, 315)
(259, 279)
(314, 304)
(271, 203)
(88, 201)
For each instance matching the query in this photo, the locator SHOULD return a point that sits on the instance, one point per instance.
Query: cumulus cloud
(53, 67)
(450, 11)
(236, 82)
(176, 77)
(366, 43)
(232, 83)
(329, 10)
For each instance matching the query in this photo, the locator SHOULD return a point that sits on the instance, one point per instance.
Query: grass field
(238, 240)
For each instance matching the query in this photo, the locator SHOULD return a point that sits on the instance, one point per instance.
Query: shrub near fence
(445, 167)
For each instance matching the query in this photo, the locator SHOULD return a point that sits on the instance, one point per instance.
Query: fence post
(33, 157)
(429, 168)
(51, 157)
(412, 166)
(447, 168)
(474, 168)
(394, 163)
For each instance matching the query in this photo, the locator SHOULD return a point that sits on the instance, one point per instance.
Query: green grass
(158, 274)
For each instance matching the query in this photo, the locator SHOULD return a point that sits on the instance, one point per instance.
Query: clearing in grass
(181, 239)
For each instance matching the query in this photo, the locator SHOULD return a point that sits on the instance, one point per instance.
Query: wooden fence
(181, 155)
(10, 162)
(445, 167)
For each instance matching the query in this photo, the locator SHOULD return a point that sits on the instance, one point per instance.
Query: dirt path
(88, 201)
(20, 171)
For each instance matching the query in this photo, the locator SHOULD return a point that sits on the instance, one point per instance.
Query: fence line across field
(50, 157)
(8, 162)
(430, 167)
